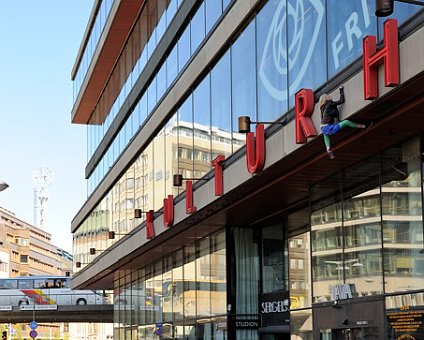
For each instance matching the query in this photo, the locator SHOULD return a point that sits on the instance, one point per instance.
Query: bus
(45, 291)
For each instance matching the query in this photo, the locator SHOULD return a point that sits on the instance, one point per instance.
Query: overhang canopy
(122, 18)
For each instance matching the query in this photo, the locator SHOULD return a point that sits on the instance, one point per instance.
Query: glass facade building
(310, 248)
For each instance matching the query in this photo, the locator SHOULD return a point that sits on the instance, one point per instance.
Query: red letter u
(150, 229)
(255, 150)
(190, 208)
(168, 211)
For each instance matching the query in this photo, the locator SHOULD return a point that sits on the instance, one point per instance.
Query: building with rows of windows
(26, 250)
(207, 231)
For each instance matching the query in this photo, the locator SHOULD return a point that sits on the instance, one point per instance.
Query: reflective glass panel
(151, 96)
(171, 66)
(161, 81)
(159, 169)
(213, 12)
(167, 287)
(202, 131)
(177, 286)
(301, 324)
(402, 217)
(151, 303)
(189, 282)
(141, 294)
(363, 267)
(171, 10)
(326, 237)
(184, 48)
(203, 278)
(149, 187)
(300, 271)
(221, 107)
(271, 70)
(157, 292)
(218, 275)
(197, 28)
(161, 25)
(185, 138)
(274, 265)
(171, 156)
(243, 73)
(346, 27)
(306, 43)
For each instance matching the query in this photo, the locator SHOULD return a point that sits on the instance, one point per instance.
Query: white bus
(45, 291)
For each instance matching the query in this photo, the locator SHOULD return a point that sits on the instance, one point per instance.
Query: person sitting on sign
(330, 120)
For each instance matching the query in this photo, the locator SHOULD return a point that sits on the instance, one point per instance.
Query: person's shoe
(368, 124)
(365, 124)
(330, 153)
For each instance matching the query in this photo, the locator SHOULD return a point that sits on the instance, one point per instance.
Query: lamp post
(3, 185)
(384, 8)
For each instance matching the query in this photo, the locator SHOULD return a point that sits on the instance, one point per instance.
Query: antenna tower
(42, 177)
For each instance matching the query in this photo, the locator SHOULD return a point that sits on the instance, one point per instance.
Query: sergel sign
(5, 308)
(280, 306)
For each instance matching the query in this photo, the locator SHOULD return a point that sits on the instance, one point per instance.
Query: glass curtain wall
(270, 60)
(401, 199)
(366, 226)
(181, 296)
(203, 126)
(141, 44)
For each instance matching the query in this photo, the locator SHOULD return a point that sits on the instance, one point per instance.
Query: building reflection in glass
(366, 225)
(184, 292)
(180, 147)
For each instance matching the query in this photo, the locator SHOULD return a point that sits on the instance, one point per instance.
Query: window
(243, 72)
(197, 28)
(9, 283)
(274, 267)
(221, 104)
(303, 71)
(271, 72)
(347, 26)
(184, 48)
(213, 12)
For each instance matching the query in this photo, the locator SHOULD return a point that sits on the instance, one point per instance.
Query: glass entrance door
(369, 333)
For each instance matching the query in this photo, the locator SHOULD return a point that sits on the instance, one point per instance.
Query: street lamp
(384, 8)
(3, 185)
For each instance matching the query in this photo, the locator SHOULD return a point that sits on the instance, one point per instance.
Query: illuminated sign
(406, 323)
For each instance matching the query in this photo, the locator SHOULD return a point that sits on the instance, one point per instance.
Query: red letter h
(387, 55)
